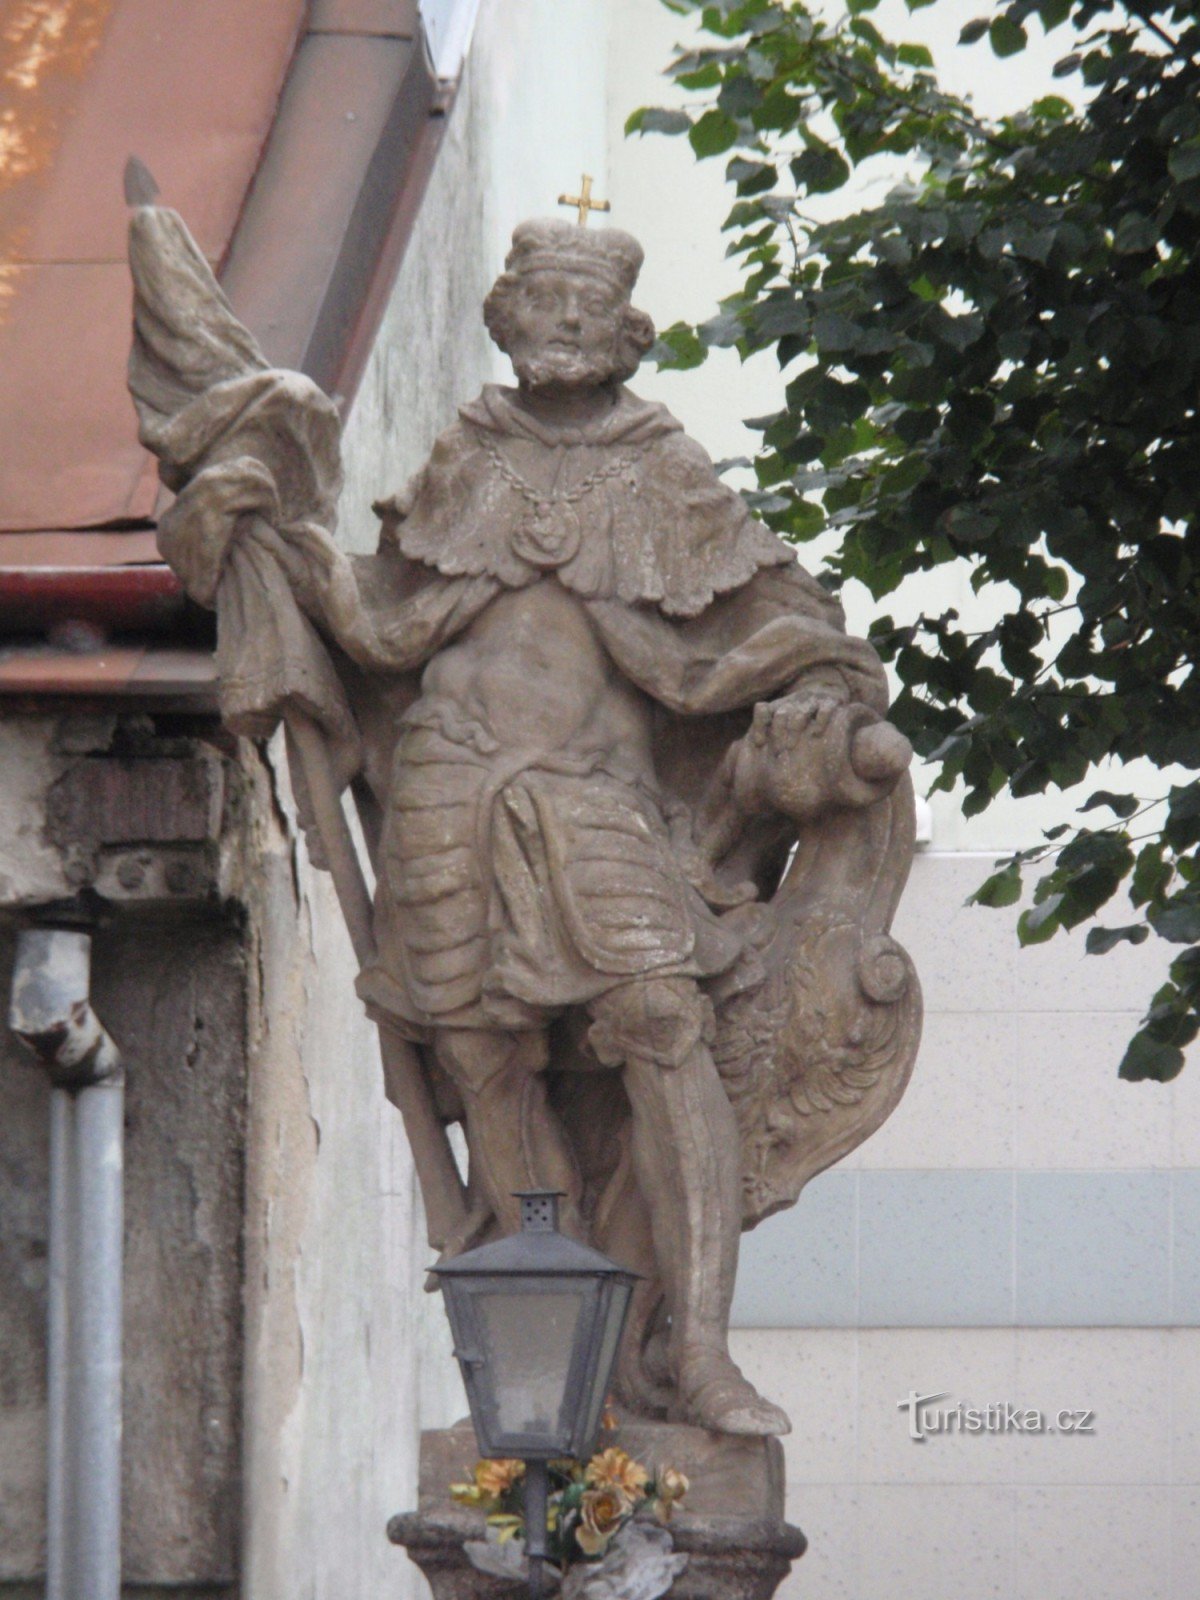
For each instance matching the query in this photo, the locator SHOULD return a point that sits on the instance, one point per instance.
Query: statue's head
(561, 308)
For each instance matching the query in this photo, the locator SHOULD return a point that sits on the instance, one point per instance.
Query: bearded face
(563, 329)
(566, 329)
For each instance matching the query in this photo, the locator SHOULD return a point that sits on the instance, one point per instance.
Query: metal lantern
(537, 1319)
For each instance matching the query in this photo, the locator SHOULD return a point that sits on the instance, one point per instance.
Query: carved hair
(635, 337)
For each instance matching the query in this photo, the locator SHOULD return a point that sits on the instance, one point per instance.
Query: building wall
(170, 984)
(1025, 1230)
(1026, 1227)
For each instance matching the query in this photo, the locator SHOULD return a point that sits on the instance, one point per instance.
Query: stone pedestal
(733, 1532)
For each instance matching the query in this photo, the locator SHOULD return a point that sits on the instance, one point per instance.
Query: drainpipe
(51, 1012)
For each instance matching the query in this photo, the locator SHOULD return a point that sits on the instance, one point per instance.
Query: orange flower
(616, 1469)
(497, 1477)
(490, 1480)
(601, 1513)
(670, 1487)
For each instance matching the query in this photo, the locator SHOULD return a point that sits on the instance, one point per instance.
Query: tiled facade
(1025, 1230)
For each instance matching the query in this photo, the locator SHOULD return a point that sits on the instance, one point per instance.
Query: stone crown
(558, 246)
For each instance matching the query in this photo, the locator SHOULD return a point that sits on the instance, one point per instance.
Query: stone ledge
(730, 1558)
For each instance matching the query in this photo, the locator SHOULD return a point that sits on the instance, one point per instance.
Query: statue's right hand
(196, 532)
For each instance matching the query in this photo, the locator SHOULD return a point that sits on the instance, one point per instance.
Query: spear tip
(140, 187)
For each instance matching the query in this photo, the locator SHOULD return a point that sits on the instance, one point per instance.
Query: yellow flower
(601, 1513)
(616, 1469)
(490, 1480)
(670, 1487)
(468, 1494)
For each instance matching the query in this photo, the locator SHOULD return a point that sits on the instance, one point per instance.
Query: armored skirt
(513, 884)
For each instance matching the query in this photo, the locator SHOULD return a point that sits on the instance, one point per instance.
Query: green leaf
(834, 333)
(1003, 888)
(652, 119)
(1052, 107)
(1008, 37)
(1054, 12)
(1135, 233)
(1182, 827)
(820, 170)
(1151, 875)
(1149, 1058)
(1040, 922)
(1124, 805)
(974, 30)
(706, 77)
(679, 348)
(971, 525)
(915, 55)
(1178, 921)
(713, 133)
(1101, 940)
(751, 177)
(1184, 163)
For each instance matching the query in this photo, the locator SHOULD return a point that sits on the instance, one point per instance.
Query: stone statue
(639, 826)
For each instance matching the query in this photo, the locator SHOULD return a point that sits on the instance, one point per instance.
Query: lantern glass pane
(529, 1340)
(617, 1303)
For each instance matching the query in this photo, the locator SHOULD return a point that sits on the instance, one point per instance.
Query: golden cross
(584, 200)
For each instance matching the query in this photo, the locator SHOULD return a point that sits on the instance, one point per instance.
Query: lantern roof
(527, 1252)
(539, 1248)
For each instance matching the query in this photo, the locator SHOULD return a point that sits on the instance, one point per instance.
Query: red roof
(294, 139)
(193, 90)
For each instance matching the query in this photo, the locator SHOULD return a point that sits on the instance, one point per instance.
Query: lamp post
(537, 1320)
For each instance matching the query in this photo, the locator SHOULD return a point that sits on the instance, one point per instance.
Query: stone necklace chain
(551, 537)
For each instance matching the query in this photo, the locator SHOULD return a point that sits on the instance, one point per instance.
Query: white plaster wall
(34, 753)
(346, 1356)
(529, 118)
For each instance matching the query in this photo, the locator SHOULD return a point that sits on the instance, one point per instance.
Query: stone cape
(641, 515)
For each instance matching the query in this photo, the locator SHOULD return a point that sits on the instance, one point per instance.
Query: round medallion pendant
(551, 535)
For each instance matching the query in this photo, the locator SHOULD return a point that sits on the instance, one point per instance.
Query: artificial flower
(468, 1494)
(497, 1477)
(616, 1469)
(491, 1480)
(601, 1513)
(670, 1486)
